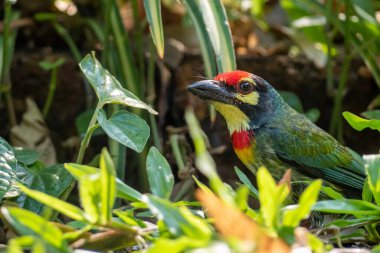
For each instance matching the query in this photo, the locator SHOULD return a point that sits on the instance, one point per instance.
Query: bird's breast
(244, 145)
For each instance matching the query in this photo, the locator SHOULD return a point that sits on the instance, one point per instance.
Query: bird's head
(244, 99)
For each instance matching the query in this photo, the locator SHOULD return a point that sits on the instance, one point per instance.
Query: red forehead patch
(233, 77)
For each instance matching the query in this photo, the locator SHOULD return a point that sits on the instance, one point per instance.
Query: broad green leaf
(293, 217)
(269, 203)
(28, 223)
(292, 99)
(373, 114)
(179, 220)
(123, 191)
(347, 206)
(372, 165)
(247, 182)
(215, 18)
(52, 180)
(8, 165)
(108, 185)
(90, 192)
(26, 156)
(126, 128)
(107, 88)
(358, 123)
(63, 207)
(160, 175)
(153, 15)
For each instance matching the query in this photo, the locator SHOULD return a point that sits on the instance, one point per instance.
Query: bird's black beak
(212, 91)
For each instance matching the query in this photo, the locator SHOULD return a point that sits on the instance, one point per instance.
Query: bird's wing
(315, 153)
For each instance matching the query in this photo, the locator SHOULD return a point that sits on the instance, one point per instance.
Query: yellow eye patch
(251, 98)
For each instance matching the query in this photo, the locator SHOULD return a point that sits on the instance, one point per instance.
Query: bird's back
(290, 140)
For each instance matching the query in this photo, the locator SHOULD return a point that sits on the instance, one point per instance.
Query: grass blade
(153, 14)
(215, 18)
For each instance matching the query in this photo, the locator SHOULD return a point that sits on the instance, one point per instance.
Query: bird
(266, 131)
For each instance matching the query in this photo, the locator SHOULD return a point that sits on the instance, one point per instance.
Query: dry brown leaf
(286, 179)
(32, 133)
(232, 223)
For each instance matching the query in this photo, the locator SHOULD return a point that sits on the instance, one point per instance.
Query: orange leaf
(232, 223)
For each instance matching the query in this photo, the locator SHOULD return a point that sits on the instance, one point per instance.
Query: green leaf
(373, 114)
(313, 114)
(90, 196)
(63, 207)
(8, 165)
(372, 165)
(359, 123)
(107, 88)
(331, 193)
(215, 18)
(347, 206)
(179, 220)
(108, 183)
(292, 99)
(28, 223)
(208, 55)
(247, 182)
(269, 204)
(342, 223)
(366, 193)
(365, 10)
(123, 191)
(126, 128)
(271, 197)
(52, 180)
(153, 15)
(47, 65)
(160, 175)
(293, 217)
(26, 156)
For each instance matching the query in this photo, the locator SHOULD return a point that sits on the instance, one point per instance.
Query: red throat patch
(233, 77)
(242, 139)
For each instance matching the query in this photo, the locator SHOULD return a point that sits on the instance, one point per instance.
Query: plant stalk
(91, 127)
(52, 88)
(5, 75)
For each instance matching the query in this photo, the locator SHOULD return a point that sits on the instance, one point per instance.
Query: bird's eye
(245, 87)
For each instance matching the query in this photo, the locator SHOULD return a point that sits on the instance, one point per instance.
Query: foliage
(222, 218)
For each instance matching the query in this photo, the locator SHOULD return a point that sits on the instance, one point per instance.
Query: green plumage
(290, 140)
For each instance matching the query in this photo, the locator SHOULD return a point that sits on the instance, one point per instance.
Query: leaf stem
(336, 126)
(91, 128)
(174, 143)
(5, 75)
(52, 88)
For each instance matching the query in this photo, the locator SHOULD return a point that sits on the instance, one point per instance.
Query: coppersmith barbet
(266, 131)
